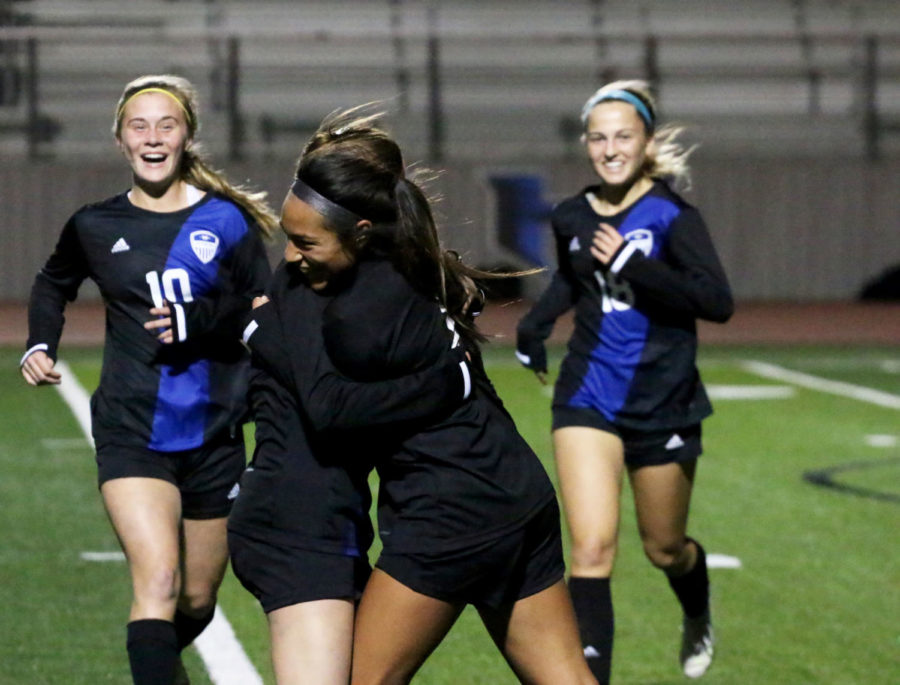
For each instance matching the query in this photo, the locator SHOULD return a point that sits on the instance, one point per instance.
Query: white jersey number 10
(174, 286)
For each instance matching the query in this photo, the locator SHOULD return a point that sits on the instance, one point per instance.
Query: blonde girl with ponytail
(178, 259)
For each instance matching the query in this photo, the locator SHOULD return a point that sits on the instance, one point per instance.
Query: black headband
(333, 212)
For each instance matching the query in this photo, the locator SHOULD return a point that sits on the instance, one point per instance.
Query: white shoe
(696, 645)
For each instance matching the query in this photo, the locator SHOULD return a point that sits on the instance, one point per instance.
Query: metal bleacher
(465, 79)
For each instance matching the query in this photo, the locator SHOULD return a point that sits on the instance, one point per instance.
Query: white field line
(63, 444)
(881, 440)
(805, 380)
(225, 659)
(722, 561)
(76, 397)
(730, 392)
(750, 392)
(102, 556)
(222, 654)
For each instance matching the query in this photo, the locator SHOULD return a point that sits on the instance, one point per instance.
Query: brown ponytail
(359, 166)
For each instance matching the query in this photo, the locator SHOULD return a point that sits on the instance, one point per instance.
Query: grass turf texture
(815, 602)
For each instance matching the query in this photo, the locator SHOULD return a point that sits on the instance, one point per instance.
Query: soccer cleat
(696, 645)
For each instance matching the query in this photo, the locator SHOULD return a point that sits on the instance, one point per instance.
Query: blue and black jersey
(207, 261)
(633, 351)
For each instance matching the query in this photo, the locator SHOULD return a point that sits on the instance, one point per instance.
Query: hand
(259, 301)
(606, 243)
(532, 354)
(162, 320)
(37, 369)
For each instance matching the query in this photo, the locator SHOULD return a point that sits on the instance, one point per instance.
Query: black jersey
(632, 354)
(445, 483)
(306, 486)
(207, 261)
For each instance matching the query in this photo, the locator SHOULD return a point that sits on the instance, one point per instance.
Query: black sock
(187, 628)
(152, 651)
(593, 607)
(692, 589)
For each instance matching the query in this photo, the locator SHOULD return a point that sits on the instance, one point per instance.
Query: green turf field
(816, 600)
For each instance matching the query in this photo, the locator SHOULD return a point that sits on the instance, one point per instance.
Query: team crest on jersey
(642, 239)
(204, 244)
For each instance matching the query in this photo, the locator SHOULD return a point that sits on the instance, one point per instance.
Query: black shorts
(642, 447)
(280, 576)
(205, 476)
(494, 573)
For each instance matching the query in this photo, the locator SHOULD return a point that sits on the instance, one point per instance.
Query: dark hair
(360, 167)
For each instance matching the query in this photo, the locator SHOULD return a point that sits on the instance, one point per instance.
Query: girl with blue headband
(637, 264)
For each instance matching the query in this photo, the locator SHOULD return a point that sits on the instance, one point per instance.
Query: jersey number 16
(616, 293)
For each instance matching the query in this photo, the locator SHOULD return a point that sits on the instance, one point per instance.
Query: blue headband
(339, 216)
(622, 95)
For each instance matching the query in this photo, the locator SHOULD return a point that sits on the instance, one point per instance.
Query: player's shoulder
(373, 291)
(377, 276)
(223, 216)
(223, 204)
(571, 211)
(663, 191)
(110, 205)
(572, 203)
(284, 277)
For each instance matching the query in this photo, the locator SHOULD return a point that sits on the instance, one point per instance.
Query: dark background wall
(786, 229)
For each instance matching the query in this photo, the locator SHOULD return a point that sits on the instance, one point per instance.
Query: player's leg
(206, 477)
(662, 501)
(590, 467)
(539, 638)
(145, 514)
(312, 642)
(396, 629)
(204, 560)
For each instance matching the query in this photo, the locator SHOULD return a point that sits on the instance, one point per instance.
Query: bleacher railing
(869, 64)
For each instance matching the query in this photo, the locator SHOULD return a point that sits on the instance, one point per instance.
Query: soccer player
(178, 259)
(466, 513)
(637, 264)
(300, 530)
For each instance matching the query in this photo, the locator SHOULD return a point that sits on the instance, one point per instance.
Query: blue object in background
(522, 215)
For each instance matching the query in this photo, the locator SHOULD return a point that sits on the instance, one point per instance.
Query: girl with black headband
(300, 530)
(466, 512)
(177, 258)
(637, 264)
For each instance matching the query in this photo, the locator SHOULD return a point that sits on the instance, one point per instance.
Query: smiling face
(152, 136)
(617, 143)
(312, 247)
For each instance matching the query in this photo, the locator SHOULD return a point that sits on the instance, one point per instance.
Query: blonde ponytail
(198, 173)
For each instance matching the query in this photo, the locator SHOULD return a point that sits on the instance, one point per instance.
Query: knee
(668, 556)
(157, 587)
(197, 600)
(593, 557)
